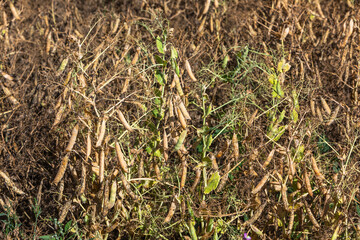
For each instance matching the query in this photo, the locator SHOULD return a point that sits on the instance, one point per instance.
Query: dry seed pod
(216, 3)
(284, 196)
(269, 158)
(213, 162)
(116, 25)
(136, 57)
(14, 11)
(251, 120)
(307, 182)
(189, 71)
(224, 178)
(64, 211)
(196, 181)
(102, 132)
(62, 168)
(73, 137)
(325, 106)
(61, 190)
(171, 211)
(157, 171)
(124, 122)
(48, 43)
(312, 106)
(316, 169)
(206, 6)
(178, 85)
(83, 179)
(183, 174)
(260, 185)
(102, 166)
(318, 111)
(311, 216)
(181, 118)
(201, 27)
(183, 108)
(256, 215)
(88, 146)
(121, 159)
(105, 197)
(127, 187)
(9, 94)
(333, 116)
(291, 221)
(211, 23)
(112, 195)
(10, 183)
(235, 144)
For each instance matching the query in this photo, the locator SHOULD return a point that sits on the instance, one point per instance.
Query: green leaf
(67, 226)
(159, 45)
(282, 116)
(160, 61)
(209, 140)
(159, 77)
(181, 140)
(47, 237)
(212, 183)
(294, 116)
(157, 153)
(279, 133)
(174, 53)
(225, 62)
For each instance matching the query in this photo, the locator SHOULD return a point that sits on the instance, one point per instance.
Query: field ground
(179, 119)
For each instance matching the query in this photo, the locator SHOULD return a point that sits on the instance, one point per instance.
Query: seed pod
(116, 25)
(181, 118)
(83, 179)
(260, 185)
(48, 43)
(224, 178)
(74, 134)
(256, 215)
(121, 159)
(216, 3)
(157, 171)
(183, 173)
(183, 108)
(235, 144)
(189, 71)
(102, 166)
(312, 106)
(124, 122)
(112, 195)
(171, 211)
(284, 196)
(61, 190)
(10, 183)
(325, 106)
(64, 211)
(311, 216)
(88, 146)
(251, 120)
(318, 111)
(197, 179)
(307, 182)
(9, 94)
(62, 168)
(269, 158)
(102, 132)
(105, 202)
(316, 169)
(201, 27)
(14, 11)
(127, 187)
(291, 221)
(136, 57)
(178, 85)
(206, 6)
(333, 116)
